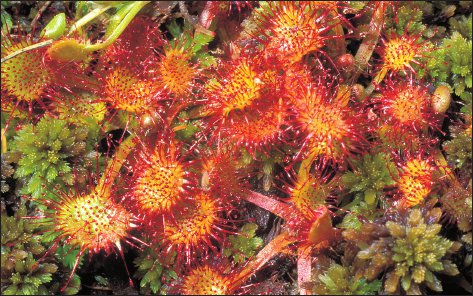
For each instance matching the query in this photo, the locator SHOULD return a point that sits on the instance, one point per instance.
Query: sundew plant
(236, 147)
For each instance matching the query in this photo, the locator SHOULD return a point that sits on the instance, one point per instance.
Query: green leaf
(171, 274)
(406, 282)
(101, 280)
(11, 290)
(35, 281)
(16, 278)
(48, 236)
(370, 176)
(145, 264)
(245, 245)
(249, 229)
(327, 280)
(49, 268)
(149, 277)
(256, 243)
(205, 59)
(35, 186)
(23, 171)
(6, 23)
(51, 174)
(71, 291)
(365, 288)
(68, 257)
(350, 221)
(188, 131)
(201, 39)
(56, 27)
(155, 286)
(174, 29)
(28, 289)
(117, 18)
(370, 196)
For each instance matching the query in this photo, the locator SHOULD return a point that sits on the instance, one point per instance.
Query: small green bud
(56, 27)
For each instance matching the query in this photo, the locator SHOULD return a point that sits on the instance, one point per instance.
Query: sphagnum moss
(409, 248)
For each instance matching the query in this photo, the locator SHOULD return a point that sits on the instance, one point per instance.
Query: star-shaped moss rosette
(408, 247)
(342, 280)
(244, 245)
(49, 150)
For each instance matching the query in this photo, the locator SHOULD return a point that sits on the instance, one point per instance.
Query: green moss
(245, 245)
(341, 280)
(452, 62)
(21, 273)
(7, 171)
(458, 149)
(72, 289)
(350, 221)
(418, 251)
(394, 249)
(358, 209)
(408, 248)
(49, 150)
(408, 19)
(191, 40)
(68, 256)
(188, 127)
(357, 5)
(370, 176)
(463, 25)
(151, 272)
(83, 110)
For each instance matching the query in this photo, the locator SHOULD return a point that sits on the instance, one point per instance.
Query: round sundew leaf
(415, 181)
(125, 91)
(24, 76)
(86, 218)
(205, 281)
(194, 225)
(159, 184)
(176, 71)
